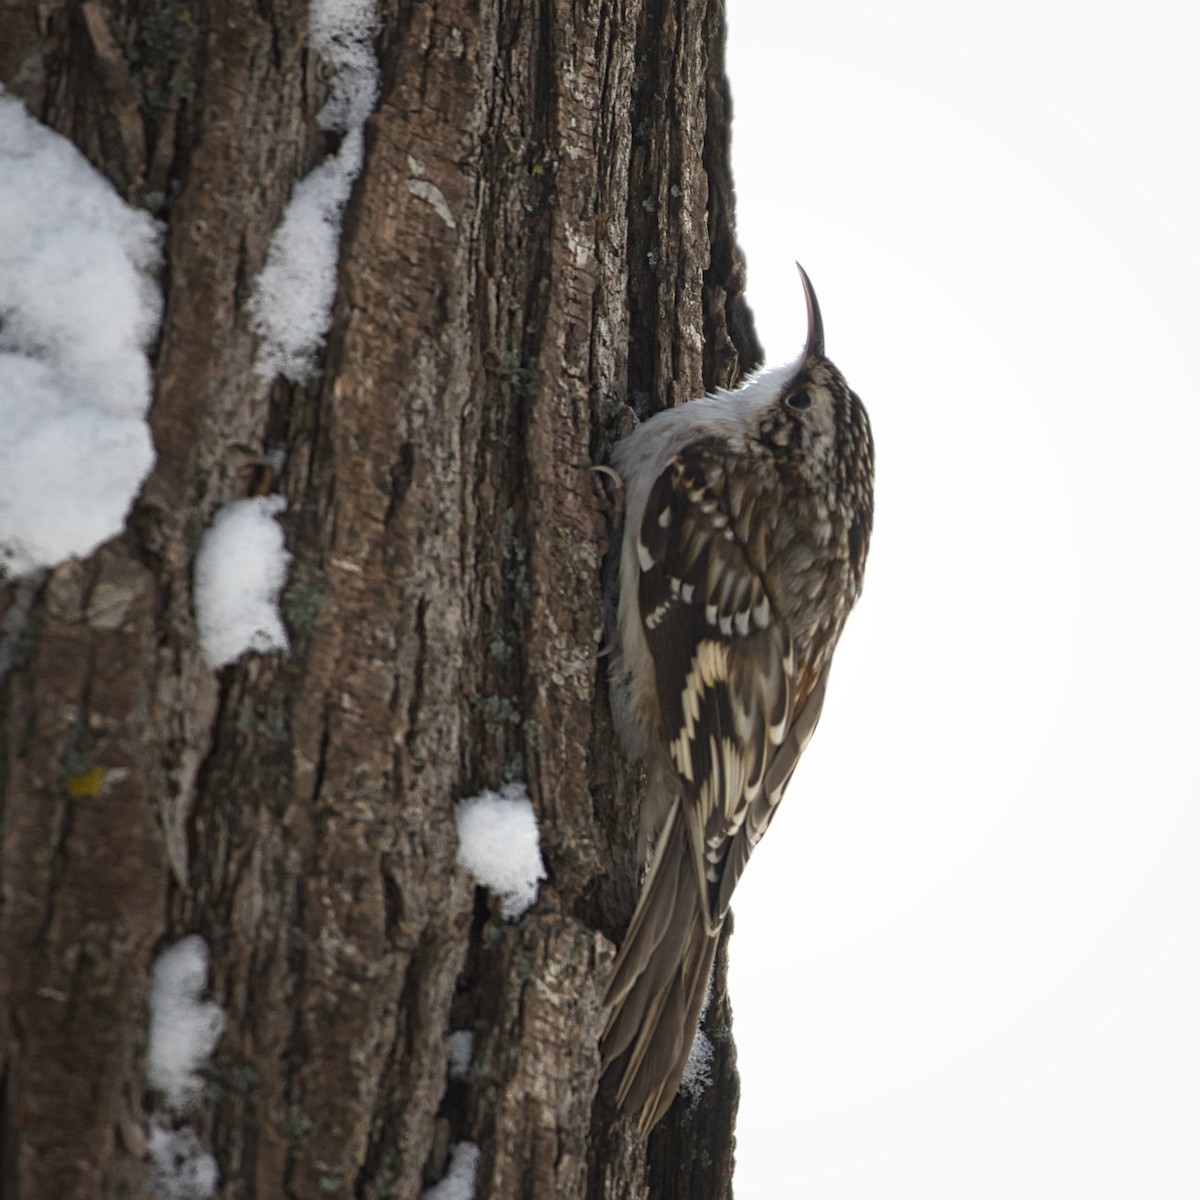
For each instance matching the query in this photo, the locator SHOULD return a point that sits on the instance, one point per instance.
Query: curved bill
(816, 330)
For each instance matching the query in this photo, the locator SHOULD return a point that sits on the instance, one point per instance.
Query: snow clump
(183, 1028)
(459, 1180)
(240, 570)
(498, 844)
(78, 308)
(292, 303)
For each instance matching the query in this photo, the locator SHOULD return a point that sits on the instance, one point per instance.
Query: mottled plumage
(748, 515)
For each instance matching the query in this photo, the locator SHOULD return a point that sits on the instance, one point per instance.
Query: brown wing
(764, 806)
(730, 689)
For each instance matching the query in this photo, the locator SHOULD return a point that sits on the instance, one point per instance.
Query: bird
(747, 519)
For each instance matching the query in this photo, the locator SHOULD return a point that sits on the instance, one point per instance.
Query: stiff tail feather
(658, 983)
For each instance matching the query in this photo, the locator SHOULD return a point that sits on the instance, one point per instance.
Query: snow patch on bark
(498, 844)
(183, 1028)
(180, 1167)
(240, 570)
(184, 1031)
(462, 1050)
(78, 307)
(697, 1071)
(340, 31)
(292, 303)
(459, 1180)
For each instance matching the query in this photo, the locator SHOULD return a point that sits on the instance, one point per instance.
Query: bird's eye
(798, 401)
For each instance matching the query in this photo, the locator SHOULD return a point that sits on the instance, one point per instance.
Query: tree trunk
(541, 238)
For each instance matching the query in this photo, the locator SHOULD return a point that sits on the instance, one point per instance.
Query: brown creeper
(747, 518)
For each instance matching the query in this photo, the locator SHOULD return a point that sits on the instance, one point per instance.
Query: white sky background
(968, 952)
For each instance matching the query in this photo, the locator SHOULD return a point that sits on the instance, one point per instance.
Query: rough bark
(542, 237)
